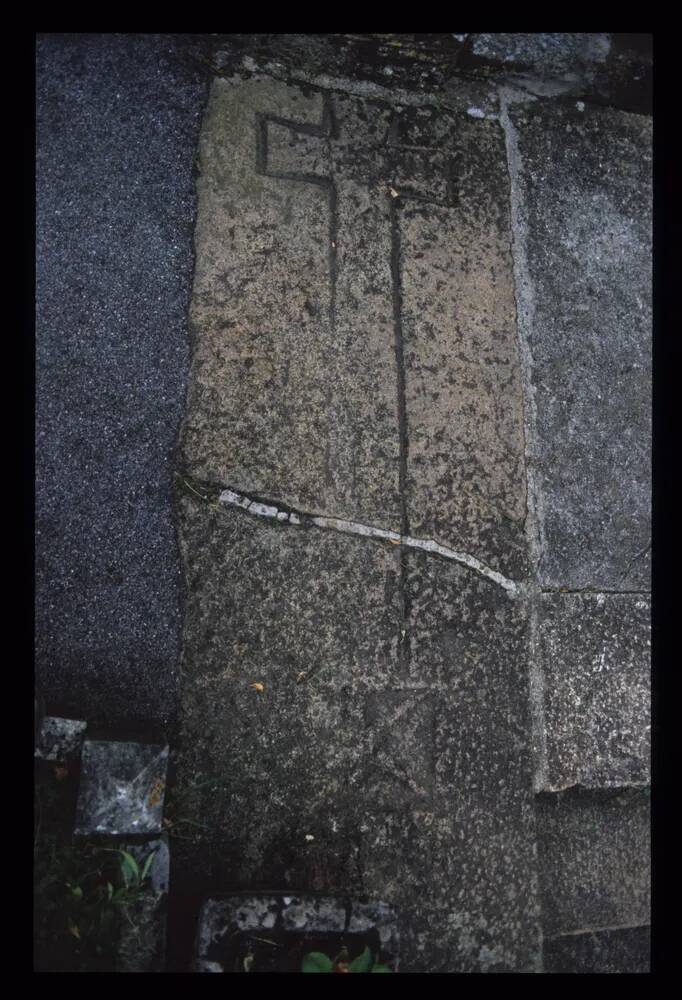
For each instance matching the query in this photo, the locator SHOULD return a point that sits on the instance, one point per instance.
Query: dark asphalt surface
(118, 119)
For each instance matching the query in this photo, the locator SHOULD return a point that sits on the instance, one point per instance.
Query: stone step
(613, 949)
(594, 651)
(594, 867)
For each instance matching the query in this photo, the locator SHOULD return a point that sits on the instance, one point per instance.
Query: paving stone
(448, 829)
(122, 788)
(594, 858)
(307, 292)
(280, 605)
(293, 382)
(595, 652)
(403, 779)
(60, 739)
(465, 483)
(623, 949)
(242, 912)
(586, 207)
(309, 616)
(544, 52)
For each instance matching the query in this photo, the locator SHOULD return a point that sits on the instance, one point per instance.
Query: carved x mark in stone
(401, 728)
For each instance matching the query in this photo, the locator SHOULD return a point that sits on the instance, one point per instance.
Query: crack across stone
(273, 512)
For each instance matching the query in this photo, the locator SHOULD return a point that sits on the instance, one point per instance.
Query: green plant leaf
(315, 961)
(380, 968)
(110, 890)
(363, 963)
(129, 868)
(147, 865)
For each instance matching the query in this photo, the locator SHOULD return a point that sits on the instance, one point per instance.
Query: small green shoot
(317, 961)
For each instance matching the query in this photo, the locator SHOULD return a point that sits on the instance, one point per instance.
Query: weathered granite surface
(594, 855)
(117, 121)
(465, 480)
(595, 652)
(586, 213)
(363, 764)
(623, 949)
(355, 715)
(545, 52)
(122, 788)
(293, 388)
(342, 248)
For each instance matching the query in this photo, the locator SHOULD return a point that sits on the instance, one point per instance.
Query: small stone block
(60, 739)
(122, 788)
(286, 919)
(304, 913)
(594, 859)
(596, 662)
(365, 916)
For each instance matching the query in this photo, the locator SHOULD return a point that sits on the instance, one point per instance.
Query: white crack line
(233, 499)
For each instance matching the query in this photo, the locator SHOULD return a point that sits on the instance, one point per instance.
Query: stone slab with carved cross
(355, 349)
(359, 705)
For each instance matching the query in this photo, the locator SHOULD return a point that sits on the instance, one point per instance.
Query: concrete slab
(117, 119)
(623, 949)
(594, 856)
(596, 658)
(586, 218)
(122, 788)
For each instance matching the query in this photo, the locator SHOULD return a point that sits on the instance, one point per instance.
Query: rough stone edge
(350, 916)
(465, 99)
(585, 932)
(160, 760)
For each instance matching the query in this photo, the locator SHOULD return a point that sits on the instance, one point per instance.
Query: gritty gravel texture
(586, 195)
(596, 657)
(117, 124)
